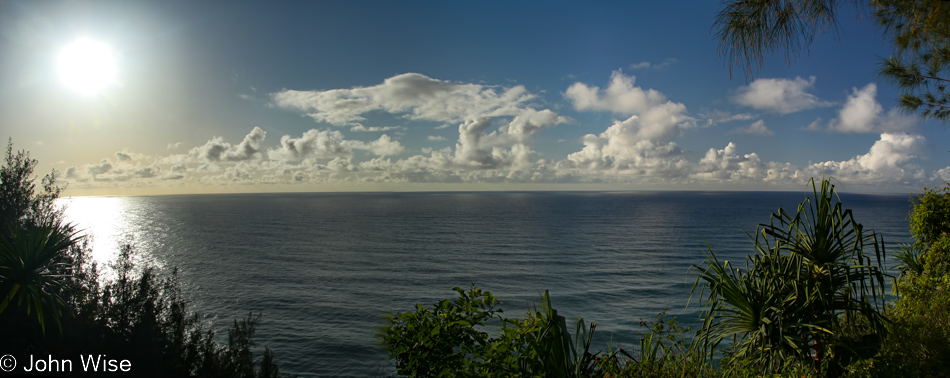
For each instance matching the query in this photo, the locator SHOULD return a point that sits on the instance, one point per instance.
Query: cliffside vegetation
(809, 301)
(54, 301)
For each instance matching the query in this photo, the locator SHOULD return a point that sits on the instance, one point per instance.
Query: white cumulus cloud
(329, 144)
(779, 95)
(622, 147)
(412, 95)
(620, 97)
(862, 113)
(888, 160)
(217, 149)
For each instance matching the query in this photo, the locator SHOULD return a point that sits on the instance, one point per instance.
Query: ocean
(325, 268)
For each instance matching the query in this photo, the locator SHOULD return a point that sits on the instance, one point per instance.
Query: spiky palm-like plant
(810, 295)
(34, 276)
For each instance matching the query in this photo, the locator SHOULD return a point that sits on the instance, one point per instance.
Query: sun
(87, 66)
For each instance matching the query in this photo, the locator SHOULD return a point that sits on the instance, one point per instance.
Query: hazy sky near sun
(359, 95)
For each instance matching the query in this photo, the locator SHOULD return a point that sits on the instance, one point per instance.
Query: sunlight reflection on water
(106, 223)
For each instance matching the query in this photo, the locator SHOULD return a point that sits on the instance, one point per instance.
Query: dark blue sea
(324, 268)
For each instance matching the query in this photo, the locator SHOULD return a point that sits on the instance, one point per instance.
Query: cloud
(381, 147)
(640, 66)
(102, 167)
(313, 143)
(172, 146)
(329, 144)
(626, 152)
(652, 116)
(217, 149)
(890, 161)
(637, 145)
(886, 161)
(361, 128)
(647, 65)
(623, 146)
(530, 121)
(942, 174)
(719, 116)
(779, 95)
(728, 164)
(127, 156)
(480, 147)
(862, 113)
(147, 172)
(496, 127)
(756, 128)
(620, 97)
(480, 150)
(412, 95)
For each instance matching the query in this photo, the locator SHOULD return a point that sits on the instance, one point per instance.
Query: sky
(217, 97)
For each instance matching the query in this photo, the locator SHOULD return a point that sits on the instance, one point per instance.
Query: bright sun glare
(87, 66)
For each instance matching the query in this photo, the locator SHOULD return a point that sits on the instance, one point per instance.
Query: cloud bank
(496, 128)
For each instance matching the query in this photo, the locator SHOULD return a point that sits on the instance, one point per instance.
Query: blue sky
(311, 96)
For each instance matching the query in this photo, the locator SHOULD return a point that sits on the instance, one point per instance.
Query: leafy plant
(667, 349)
(36, 263)
(810, 295)
(918, 343)
(452, 338)
(444, 339)
(549, 350)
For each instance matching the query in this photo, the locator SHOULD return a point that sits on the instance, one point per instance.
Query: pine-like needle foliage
(919, 30)
(920, 65)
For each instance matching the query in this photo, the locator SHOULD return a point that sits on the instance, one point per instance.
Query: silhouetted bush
(46, 275)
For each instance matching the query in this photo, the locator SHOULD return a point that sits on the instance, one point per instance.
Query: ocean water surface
(324, 268)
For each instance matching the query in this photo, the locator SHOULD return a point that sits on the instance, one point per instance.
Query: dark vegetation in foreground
(807, 302)
(53, 301)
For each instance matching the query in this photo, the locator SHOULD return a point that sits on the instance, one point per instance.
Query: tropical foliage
(34, 273)
(809, 301)
(811, 295)
(36, 258)
(919, 31)
(452, 338)
(46, 277)
(919, 342)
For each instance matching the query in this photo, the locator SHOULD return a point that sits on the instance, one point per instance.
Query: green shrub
(919, 341)
(452, 338)
(811, 296)
(666, 350)
(446, 338)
